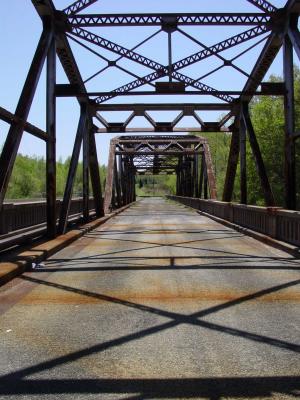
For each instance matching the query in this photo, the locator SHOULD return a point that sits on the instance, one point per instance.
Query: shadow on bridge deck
(157, 303)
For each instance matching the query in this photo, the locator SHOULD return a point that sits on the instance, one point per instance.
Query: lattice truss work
(186, 156)
(113, 60)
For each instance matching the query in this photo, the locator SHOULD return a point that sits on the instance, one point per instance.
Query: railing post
(272, 221)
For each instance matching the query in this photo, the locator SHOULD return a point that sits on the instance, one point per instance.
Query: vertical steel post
(51, 142)
(232, 163)
(85, 171)
(14, 136)
(243, 162)
(64, 213)
(210, 172)
(94, 173)
(117, 183)
(170, 55)
(201, 174)
(196, 174)
(205, 180)
(109, 178)
(259, 163)
(120, 164)
(289, 113)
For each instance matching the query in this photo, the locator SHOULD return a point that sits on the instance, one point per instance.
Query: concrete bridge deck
(157, 303)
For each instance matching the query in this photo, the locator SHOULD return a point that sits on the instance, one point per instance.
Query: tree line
(267, 114)
(28, 178)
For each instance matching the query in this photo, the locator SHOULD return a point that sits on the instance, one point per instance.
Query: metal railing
(275, 222)
(15, 216)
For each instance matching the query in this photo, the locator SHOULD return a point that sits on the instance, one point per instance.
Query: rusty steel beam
(232, 163)
(94, 173)
(265, 60)
(140, 108)
(117, 20)
(110, 177)
(100, 20)
(46, 9)
(259, 163)
(203, 90)
(64, 213)
(289, 116)
(243, 161)
(161, 129)
(51, 142)
(14, 136)
(210, 172)
(9, 117)
(86, 171)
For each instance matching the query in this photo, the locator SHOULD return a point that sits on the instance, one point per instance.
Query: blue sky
(20, 29)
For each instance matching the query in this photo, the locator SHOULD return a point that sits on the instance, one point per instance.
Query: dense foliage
(267, 115)
(28, 178)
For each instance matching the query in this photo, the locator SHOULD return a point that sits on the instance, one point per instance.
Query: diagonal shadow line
(175, 245)
(225, 263)
(177, 319)
(189, 319)
(164, 313)
(99, 258)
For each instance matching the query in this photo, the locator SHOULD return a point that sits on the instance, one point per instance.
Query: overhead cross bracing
(145, 60)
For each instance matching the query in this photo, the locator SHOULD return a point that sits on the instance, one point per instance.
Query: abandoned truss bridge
(191, 296)
(262, 27)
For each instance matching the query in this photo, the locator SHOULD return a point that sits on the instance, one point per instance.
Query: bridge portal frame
(130, 156)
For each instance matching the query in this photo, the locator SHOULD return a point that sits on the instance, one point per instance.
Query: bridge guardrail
(275, 222)
(15, 216)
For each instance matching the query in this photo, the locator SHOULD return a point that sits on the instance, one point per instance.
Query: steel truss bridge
(266, 28)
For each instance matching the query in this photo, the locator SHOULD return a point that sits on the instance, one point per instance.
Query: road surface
(158, 303)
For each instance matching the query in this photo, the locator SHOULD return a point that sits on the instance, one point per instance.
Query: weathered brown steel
(260, 166)
(63, 220)
(51, 142)
(171, 153)
(210, 172)
(279, 24)
(232, 163)
(243, 161)
(110, 177)
(14, 136)
(289, 114)
(94, 173)
(9, 117)
(85, 170)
